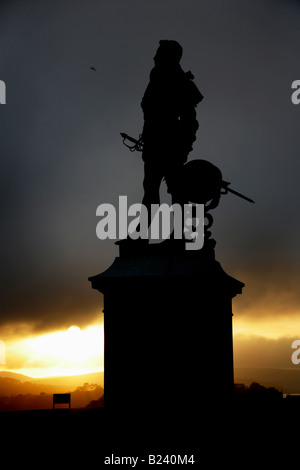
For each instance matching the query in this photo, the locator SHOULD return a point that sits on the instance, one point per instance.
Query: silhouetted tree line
(87, 395)
(256, 391)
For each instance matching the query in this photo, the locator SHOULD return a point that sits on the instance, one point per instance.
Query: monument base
(168, 330)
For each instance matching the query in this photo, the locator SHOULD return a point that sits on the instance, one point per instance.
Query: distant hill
(13, 375)
(285, 380)
(19, 392)
(74, 380)
(67, 381)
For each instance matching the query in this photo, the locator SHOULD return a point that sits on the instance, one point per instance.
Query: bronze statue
(170, 123)
(169, 131)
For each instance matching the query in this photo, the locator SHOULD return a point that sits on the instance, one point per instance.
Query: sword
(225, 185)
(138, 144)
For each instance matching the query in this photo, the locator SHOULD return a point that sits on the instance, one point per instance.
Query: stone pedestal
(168, 330)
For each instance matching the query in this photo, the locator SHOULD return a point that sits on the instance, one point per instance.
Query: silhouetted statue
(169, 131)
(170, 123)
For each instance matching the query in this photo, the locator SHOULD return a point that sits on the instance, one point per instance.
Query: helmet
(202, 181)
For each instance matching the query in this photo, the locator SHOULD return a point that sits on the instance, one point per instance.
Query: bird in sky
(93, 68)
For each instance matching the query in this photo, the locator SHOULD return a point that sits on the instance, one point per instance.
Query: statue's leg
(173, 177)
(152, 180)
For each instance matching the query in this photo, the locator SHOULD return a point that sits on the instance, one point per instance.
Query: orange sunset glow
(259, 343)
(73, 351)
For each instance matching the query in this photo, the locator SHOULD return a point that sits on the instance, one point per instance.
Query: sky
(62, 155)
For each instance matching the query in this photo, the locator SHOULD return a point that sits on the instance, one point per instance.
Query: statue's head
(168, 53)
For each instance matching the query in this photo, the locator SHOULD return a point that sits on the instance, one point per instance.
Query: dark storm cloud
(61, 155)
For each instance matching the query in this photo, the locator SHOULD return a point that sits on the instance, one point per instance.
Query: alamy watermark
(296, 354)
(296, 94)
(2, 352)
(185, 221)
(2, 92)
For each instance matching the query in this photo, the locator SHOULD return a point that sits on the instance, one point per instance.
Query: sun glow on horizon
(269, 328)
(79, 351)
(68, 352)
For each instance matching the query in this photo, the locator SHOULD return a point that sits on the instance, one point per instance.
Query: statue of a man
(170, 123)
